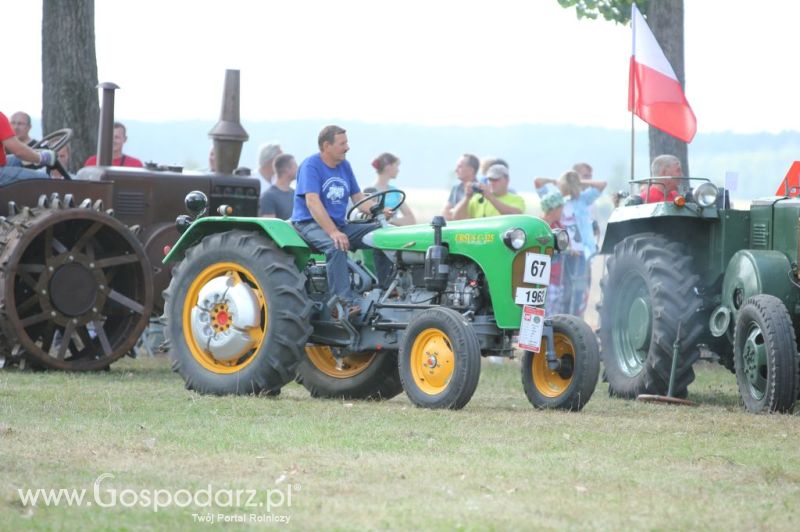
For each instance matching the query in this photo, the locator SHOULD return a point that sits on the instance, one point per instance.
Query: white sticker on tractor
(531, 329)
(537, 269)
(530, 296)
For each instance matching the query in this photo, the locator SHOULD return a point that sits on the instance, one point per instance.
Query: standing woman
(388, 166)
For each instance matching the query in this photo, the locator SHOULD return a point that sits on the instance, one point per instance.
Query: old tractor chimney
(228, 134)
(105, 134)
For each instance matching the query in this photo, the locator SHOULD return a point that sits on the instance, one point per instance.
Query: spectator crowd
(483, 189)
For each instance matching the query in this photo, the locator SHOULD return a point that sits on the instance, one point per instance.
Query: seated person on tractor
(667, 167)
(9, 174)
(325, 182)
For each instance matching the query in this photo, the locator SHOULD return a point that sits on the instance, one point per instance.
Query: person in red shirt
(118, 158)
(667, 167)
(12, 145)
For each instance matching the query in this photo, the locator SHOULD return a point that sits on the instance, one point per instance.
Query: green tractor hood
(482, 241)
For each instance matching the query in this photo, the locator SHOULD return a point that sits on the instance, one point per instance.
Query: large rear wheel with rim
(571, 385)
(369, 375)
(765, 355)
(76, 286)
(648, 289)
(440, 359)
(237, 315)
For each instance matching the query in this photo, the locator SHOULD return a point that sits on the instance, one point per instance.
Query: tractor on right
(693, 276)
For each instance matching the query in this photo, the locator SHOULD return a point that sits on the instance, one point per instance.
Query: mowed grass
(497, 464)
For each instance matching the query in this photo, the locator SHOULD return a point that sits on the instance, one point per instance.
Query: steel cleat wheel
(77, 288)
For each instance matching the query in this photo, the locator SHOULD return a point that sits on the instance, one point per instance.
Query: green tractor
(694, 276)
(248, 310)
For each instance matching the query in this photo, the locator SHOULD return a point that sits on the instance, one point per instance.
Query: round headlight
(562, 239)
(196, 203)
(514, 238)
(706, 194)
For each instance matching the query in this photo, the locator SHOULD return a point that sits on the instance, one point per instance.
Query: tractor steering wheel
(376, 211)
(55, 141)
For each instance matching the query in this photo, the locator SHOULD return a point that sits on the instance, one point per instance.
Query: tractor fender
(752, 272)
(279, 231)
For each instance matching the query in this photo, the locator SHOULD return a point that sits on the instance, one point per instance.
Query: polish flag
(654, 92)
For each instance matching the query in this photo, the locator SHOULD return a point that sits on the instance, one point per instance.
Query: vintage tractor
(81, 270)
(711, 278)
(248, 309)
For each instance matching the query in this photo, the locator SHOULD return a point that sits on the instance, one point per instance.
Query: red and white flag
(654, 93)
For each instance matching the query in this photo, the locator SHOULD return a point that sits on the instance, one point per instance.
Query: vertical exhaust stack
(228, 134)
(105, 133)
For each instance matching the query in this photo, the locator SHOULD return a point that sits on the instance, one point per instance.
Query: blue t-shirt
(334, 186)
(577, 214)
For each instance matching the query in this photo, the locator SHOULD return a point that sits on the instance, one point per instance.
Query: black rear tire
(358, 376)
(649, 288)
(440, 359)
(280, 300)
(765, 355)
(573, 386)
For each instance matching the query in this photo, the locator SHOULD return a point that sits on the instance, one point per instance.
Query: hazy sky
(436, 62)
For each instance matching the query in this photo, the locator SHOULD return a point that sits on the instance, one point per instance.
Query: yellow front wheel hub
(551, 383)
(432, 361)
(321, 356)
(225, 335)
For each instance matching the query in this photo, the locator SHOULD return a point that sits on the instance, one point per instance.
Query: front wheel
(440, 359)
(572, 385)
(370, 375)
(765, 355)
(237, 315)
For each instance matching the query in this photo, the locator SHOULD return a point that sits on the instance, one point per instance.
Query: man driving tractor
(325, 183)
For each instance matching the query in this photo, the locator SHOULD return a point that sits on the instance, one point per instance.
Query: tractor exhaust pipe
(228, 134)
(105, 133)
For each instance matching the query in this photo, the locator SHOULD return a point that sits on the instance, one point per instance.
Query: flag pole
(631, 87)
(633, 145)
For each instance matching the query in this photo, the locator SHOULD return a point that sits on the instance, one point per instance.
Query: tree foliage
(618, 11)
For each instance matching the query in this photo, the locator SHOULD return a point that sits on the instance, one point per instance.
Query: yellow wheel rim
(432, 361)
(221, 317)
(549, 383)
(322, 358)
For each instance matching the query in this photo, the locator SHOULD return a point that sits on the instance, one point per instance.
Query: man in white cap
(494, 198)
(266, 172)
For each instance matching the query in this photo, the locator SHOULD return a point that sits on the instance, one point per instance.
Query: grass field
(497, 464)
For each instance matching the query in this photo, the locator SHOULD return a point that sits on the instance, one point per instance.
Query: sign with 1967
(537, 269)
(530, 296)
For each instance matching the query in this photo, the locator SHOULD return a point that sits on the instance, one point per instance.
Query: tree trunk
(665, 18)
(69, 74)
